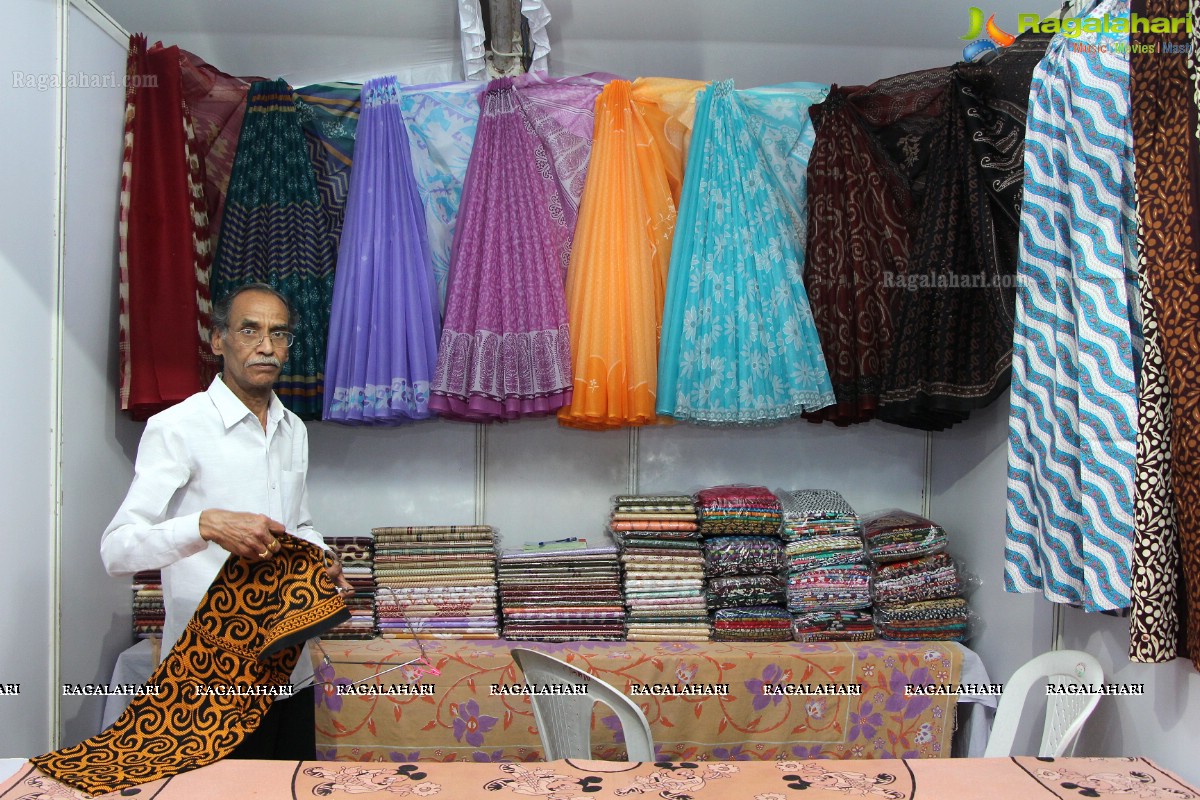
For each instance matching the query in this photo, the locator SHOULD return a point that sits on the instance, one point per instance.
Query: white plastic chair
(1065, 713)
(564, 722)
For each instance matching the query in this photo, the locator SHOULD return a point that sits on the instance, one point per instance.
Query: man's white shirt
(210, 451)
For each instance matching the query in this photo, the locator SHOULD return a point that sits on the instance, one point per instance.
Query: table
(930, 779)
(460, 719)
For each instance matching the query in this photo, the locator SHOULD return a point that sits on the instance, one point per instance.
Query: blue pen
(559, 541)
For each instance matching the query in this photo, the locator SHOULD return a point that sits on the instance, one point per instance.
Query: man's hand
(333, 566)
(251, 536)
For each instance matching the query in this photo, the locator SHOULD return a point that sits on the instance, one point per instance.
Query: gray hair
(220, 315)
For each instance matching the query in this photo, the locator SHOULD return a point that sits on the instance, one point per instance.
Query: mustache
(270, 361)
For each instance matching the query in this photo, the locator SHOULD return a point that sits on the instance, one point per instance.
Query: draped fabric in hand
(952, 319)
(1072, 424)
(1167, 496)
(219, 679)
(165, 257)
(618, 270)
(275, 232)
(328, 115)
(383, 329)
(865, 180)
(441, 121)
(738, 342)
(505, 347)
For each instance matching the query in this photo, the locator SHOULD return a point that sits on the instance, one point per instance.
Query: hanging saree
(871, 150)
(618, 270)
(1164, 91)
(1072, 423)
(275, 232)
(952, 319)
(505, 347)
(561, 112)
(328, 114)
(668, 107)
(383, 330)
(441, 121)
(738, 343)
(216, 102)
(164, 254)
(214, 687)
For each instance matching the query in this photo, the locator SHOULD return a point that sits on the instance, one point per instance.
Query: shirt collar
(233, 410)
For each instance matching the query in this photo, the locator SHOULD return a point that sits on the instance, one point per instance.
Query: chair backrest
(1065, 712)
(564, 721)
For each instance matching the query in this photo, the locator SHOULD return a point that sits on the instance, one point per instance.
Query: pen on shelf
(558, 541)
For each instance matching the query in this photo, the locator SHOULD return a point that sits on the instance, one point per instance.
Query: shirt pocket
(292, 483)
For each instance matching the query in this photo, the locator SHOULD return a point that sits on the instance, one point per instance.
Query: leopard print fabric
(1163, 117)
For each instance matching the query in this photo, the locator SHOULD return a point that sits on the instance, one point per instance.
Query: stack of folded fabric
(752, 624)
(916, 586)
(738, 510)
(562, 596)
(357, 555)
(743, 559)
(895, 535)
(148, 611)
(664, 567)
(925, 620)
(834, 626)
(436, 582)
(927, 578)
(842, 588)
(829, 582)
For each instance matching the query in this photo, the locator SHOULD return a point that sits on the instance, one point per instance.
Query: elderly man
(224, 472)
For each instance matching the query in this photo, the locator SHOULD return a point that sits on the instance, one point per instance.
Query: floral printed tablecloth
(951, 779)
(456, 717)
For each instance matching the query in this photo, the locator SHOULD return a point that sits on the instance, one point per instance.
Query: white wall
(97, 440)
(537, 480)
(28, 44)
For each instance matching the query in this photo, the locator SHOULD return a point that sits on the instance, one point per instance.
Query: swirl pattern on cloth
(212, 690)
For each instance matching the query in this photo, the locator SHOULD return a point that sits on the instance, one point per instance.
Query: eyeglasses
(252, 337)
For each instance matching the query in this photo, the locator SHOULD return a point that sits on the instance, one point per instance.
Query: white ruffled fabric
(539, 18)
(473, 36)
(470, 24)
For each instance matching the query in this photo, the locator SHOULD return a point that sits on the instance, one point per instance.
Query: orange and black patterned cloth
(214, 687)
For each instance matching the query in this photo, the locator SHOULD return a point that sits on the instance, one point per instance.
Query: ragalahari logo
(996, 36)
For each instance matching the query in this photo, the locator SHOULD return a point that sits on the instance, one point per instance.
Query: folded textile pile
(927, 578)
(838, 588)
(916, 586)
(148, 613)
(856, 625)
(563, 595)
(752, 624)
(664, 567)
(738, 510)
(828, 580)
(357, 554)
(436, 582)
(743, 559)
(895, 535)
(926, 620)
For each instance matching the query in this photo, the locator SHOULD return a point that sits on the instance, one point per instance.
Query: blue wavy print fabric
(1072, 423)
